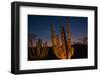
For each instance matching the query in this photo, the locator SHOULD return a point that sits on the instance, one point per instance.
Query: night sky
(40, 25)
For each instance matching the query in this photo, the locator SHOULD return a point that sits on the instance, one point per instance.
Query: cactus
(71, 52)
(66, 50)
(70, 48)
(58, 50)
(42, 49)
(40, 52)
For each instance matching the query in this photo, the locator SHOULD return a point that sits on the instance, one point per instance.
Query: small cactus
(41, 50)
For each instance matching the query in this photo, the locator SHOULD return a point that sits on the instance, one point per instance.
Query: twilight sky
(40, 25)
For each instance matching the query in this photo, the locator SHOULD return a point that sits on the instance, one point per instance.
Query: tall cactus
(64, 41)
(64, 51)
(58, 50)
(70, 48)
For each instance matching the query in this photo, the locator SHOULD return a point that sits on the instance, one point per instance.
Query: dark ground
(80, 52)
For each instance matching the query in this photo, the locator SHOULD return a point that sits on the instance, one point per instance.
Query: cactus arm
(71, 52)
